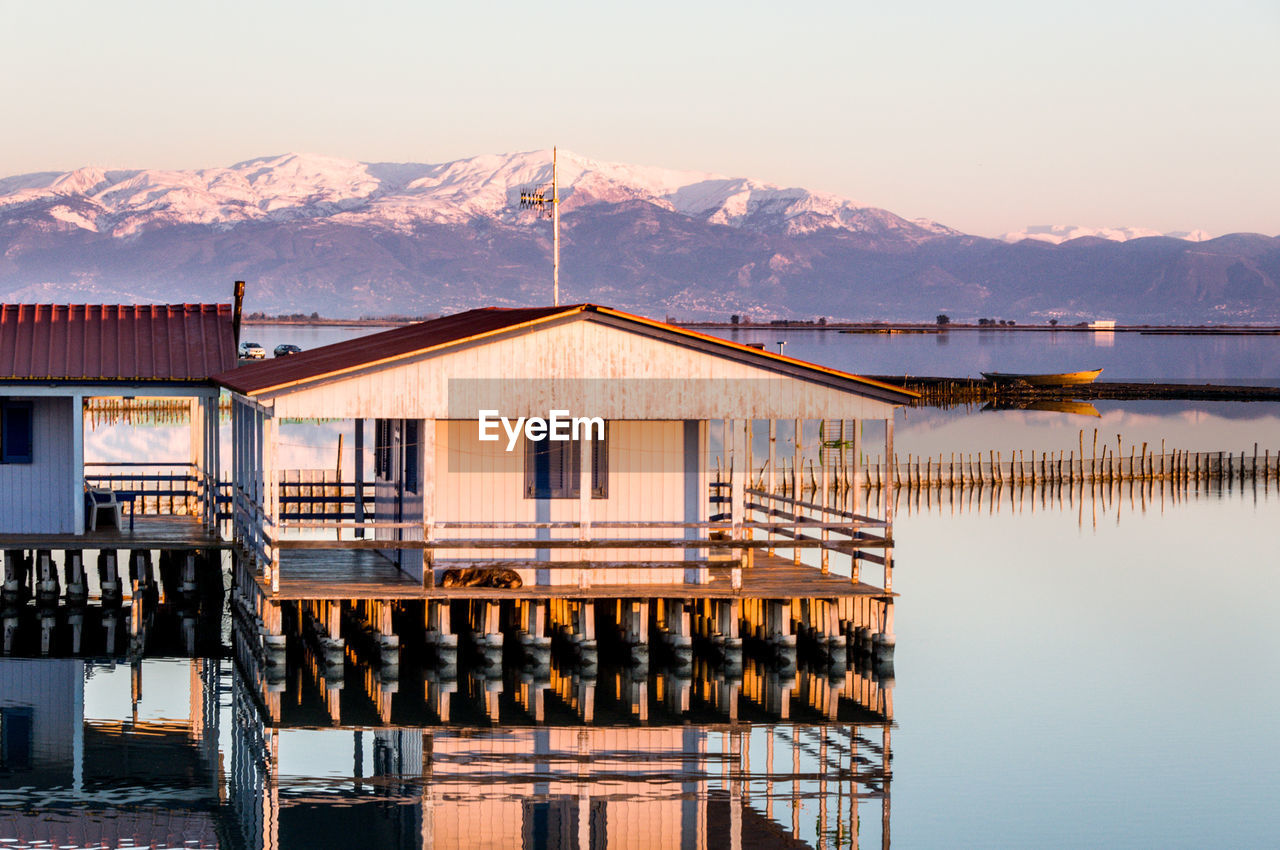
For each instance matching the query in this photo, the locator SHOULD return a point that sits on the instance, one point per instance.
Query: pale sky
(987, 116)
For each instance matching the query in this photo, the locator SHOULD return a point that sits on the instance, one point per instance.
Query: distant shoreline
(851, 327)
(922, 328)
(330, 323)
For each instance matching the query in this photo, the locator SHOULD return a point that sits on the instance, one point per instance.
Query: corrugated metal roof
(115, 342)
(387, 345)
(338, 358)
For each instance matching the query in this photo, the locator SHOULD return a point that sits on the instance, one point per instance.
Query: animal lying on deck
(480, 577)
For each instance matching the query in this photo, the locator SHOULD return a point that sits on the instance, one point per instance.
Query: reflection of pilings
(576, 690)
(142, 411)
(484, 628)
(438, 691)
(373, 617)
(253, 794)
(140, 615)
(531, 695)
(329, 678)
(322, 621)
(380, 685)
(11, 624)
(719, 691)
(110, 629)
(1086, 500)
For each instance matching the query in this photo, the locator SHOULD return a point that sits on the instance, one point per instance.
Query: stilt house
(53, 357)
(604, 472)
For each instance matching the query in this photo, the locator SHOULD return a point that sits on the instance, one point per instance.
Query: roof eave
(789, 366)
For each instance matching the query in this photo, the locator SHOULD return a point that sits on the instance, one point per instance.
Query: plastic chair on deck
(102, 499)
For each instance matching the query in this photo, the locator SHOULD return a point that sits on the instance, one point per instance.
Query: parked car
(285, 349)
(252, 351)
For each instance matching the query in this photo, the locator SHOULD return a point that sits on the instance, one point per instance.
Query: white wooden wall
(478, 481)
(39, 497)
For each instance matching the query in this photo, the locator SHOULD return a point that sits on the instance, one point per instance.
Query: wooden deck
(364, 574)
(149, 532)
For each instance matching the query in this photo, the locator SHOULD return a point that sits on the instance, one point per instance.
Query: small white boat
(1052, 379)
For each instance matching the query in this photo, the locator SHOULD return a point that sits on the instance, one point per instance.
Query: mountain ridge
(277, 188)
(347, 238)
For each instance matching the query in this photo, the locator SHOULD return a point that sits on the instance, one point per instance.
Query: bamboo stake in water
(1093, 464)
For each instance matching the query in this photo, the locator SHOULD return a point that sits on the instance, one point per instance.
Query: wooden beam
(427, 486)
(77, 464)
(620, 543)
(358, 445)
(737, 472)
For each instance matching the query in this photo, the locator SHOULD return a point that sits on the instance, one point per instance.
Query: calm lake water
(1125, 356)
(1090, 670)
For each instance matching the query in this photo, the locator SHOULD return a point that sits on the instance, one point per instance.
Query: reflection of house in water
(72, 778)
(621, 757)
(616, 762)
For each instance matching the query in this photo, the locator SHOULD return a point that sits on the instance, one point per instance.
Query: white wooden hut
(54, 357)
(434, 391)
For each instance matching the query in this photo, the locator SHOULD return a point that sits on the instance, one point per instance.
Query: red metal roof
(398, 342)
(340, 357)
(110, 342)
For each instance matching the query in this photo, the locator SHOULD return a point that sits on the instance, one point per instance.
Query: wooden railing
(316, 500)
(319, 495)
(794, 524)
(150, 489)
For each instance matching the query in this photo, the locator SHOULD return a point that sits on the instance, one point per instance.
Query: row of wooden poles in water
(1106, 464)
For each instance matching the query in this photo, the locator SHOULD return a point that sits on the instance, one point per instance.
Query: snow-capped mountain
(348, 239)
(402, 196)
(1056, 234)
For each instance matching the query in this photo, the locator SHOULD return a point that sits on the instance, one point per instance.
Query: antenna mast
(536, 197)
(555, 231)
